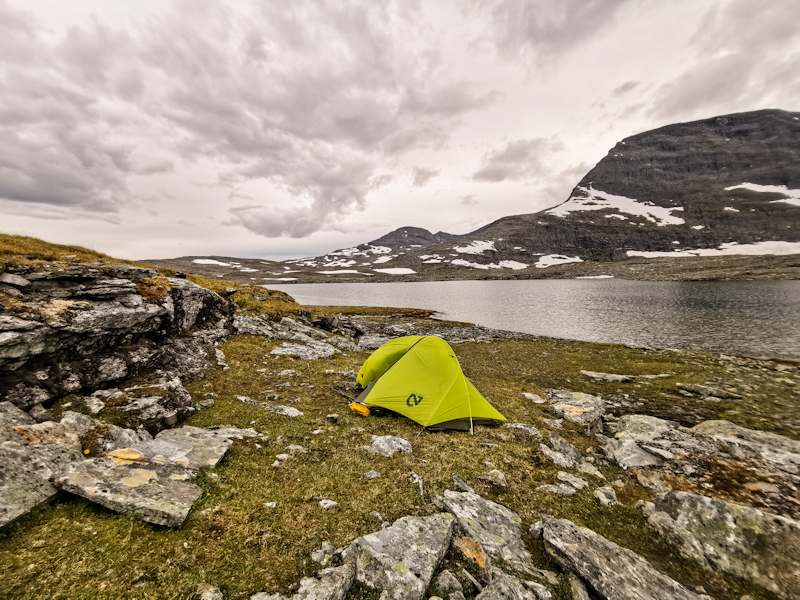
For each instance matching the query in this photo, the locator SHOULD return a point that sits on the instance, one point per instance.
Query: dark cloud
(541, 30)
(518, 160)
(625, 88)
(309, 95)
(747, 56)
(423, 175)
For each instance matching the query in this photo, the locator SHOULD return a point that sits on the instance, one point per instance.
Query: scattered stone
(627, 453)
(324, 554)
(606, 496)
(332, 418)
(554, 423)
(369, 342)
(610, 570)
(489, 445)
(558, 488)
(312, 350)
(607, 376)
(463, 484)
(558, 458)
(525, 429)
(576, 482)
(576, 407)
(328, 504)
(494, 477)
(705, 390)
(740, 540)
(400, 560)
(387, 445)
(536, 530)
(618, 483)
(269, 504)
(372, 474)
(286, 411)
(653, 481)
(160, 494)
(373, 514)
(206, 404)
(536, 399)
(40, 414)
(447, 582)
(562, 446)
(207, 591)
(589, 469)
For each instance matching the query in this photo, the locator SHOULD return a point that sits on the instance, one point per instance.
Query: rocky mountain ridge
(723, 187)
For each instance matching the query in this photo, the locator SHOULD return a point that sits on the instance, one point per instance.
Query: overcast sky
(280, 129)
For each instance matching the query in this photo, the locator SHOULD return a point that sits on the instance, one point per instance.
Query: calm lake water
(751, 318)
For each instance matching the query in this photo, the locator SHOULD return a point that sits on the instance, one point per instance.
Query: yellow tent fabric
(419, 377)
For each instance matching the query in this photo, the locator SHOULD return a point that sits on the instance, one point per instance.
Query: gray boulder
(740, 540)
(705, 390)
(613, 572)
(562, 446)
(160, 494)
(562, 460)
(576, 406)
(773, 450)
(400, 561)
(558, 488)
(387, 445)
(497, 529)
(312, 350)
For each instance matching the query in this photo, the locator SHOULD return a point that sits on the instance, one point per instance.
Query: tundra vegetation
(232, 539)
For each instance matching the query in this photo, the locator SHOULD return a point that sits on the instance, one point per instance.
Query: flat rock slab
(613, 377)
(29, 454)
(746, 542)
(576, 406)
(387, 445)
(188, 447)
(400, 561)
(25, 470)
(524, 429)
(160, 494)
(312, 350)
(496, 528)
(614, 572)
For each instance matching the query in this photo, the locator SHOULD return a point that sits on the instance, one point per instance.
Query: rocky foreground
(134, 403)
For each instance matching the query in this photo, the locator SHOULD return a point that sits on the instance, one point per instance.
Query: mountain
(679, 199)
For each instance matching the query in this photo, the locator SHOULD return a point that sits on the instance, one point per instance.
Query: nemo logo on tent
(413, 400)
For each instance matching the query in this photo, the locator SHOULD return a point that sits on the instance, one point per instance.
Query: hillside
(719, 194)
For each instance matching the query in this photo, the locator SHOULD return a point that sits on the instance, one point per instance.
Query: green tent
(419, 377)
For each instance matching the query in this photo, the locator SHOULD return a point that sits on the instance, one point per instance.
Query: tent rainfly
(420, 378)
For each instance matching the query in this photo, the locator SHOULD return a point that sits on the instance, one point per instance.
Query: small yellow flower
(86, 451)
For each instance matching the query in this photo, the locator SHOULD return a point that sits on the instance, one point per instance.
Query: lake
(751, 318)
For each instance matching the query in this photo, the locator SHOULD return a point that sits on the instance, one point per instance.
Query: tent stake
(471, 428)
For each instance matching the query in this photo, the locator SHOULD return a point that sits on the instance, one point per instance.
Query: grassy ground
(73, 549)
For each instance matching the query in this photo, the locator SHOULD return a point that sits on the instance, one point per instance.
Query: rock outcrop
(78, 328)
(740, 540)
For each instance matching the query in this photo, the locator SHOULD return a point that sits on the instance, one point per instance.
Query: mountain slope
(728, 185)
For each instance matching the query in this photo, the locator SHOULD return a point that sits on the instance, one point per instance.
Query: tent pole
(471, 429)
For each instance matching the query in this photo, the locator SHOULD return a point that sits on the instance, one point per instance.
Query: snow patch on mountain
(396, 271)
(759, 249)
(210, 261)
(503, 264)
(550, 260)
(476, 247)
(792, 196)
(591, 199)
